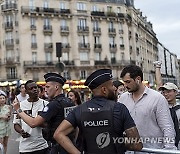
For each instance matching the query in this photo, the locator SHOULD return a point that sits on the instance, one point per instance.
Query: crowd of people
(51, 122)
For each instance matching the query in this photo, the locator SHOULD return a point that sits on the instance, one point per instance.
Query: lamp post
(60, 66)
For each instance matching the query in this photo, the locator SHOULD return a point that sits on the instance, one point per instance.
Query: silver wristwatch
(19, 110)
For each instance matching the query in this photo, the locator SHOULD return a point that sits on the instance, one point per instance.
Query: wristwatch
(19, 110)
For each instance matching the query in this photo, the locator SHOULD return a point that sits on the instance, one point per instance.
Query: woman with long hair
(75, 97)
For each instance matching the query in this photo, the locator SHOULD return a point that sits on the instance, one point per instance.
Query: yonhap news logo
(103, 140)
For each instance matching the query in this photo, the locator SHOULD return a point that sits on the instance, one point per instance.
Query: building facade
(93, 34)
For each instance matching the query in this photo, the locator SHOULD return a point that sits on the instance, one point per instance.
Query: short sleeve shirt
(121, 116)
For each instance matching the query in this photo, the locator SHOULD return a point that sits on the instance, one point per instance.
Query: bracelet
(19, 110)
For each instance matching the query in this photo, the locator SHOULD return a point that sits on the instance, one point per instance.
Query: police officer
(53, 113)
(101, 120)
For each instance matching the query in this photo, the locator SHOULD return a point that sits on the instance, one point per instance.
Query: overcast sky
(165, 17)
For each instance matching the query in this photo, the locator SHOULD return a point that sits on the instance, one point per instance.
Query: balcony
(101, 62)
(120, 15)
(39, 64)
(9, 44)
(97, 13)
(8, 26)
(96, 31)
(9, 7)
(82, 29)
(65, 11)
(122, 46)
(111, 14)
(47, 29)
(97, 47)
(65, 47)
(33, 45)
(48, 46)
(12, 76)
(113, 47)
(112, 31)
(84, 46)
(33, 27)
(68, 62)
(64, 30)
(10, 61)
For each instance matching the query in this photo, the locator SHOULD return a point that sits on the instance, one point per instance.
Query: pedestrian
(31, 141)
(120, 89)
(170, 90)
(5, 116)
(100, 120)
(53, 114)
(74, 96)
(22, 95)
(149, 109)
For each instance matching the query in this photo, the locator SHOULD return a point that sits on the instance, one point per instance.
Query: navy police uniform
(101, 120)
(55, 112)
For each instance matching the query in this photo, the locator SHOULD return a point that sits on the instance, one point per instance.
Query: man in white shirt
(22, 95)
(32, 141)
(149, 109)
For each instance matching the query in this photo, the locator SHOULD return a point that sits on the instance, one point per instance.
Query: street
(13, 145)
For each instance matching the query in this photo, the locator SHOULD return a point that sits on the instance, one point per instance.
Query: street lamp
(60, 66)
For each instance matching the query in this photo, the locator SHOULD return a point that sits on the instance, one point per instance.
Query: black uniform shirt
(121, 117)
(53, 113)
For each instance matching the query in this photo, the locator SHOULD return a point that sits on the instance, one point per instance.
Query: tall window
(9, 54)
(9, 36)
(31, 4)
(111, 25)
(111, 40)
(62, 5)
(11, 73)
(32, 21)
(84, 56)
(48, 56)
(65, 56)
(8, 19)
(121, 40)
(46, 4)
(63, 23)
(83, 74)
(33, 38)
(118, 10)
(96, 40)
(94, 8)
(82, 23)
(47, 22)
(96, 25)
(81, 6)
(34, 57)
(109, 8)
(83, 39)
(97, 56)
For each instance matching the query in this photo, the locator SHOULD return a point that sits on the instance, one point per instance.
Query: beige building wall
(123, 37)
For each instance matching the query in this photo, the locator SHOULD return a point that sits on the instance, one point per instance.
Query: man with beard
(100, 120)
(149, 109)
(31, 141)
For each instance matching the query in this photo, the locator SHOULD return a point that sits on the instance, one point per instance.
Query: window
(48, 57)
(46, 4)
(111, 40)
(111, 25)
(81, 6)
(63, 23)
(83, 74)
(94, 8)
(121, 40)
(31, 4)
(34, 57)
(11, 73)
(96, 25)
(32, 21)
(118, 10)
(82, 23)
(9, 54)
(65, 56)
(62, 5)
(46, 22)
(83, 39)
(66, 75)
(120, 26)
(84, 56)
(97, 56)
(109, 8)
(8, 19)
(9, 36)
(96, 40)
(33, 38)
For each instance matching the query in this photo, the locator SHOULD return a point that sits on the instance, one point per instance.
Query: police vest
(97, 129)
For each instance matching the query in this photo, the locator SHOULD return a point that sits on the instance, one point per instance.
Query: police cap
(54, 77)
(98, 77)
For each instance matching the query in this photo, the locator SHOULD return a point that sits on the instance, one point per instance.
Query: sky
(165, 17)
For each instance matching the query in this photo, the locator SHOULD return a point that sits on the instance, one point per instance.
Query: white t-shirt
(21, 98)
(36, 141)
